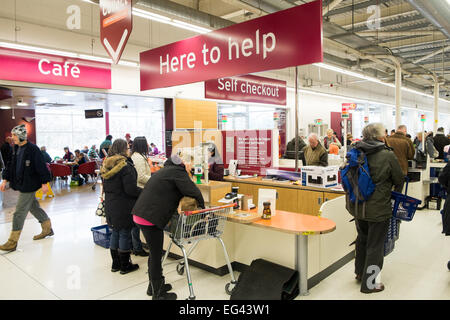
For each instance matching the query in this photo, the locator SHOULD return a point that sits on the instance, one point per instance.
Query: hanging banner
(286, 38)
(116, 24)
(18, 65)
(247, 88)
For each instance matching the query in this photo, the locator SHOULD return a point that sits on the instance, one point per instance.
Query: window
(246, 117)
(59, 128)
(145, 121)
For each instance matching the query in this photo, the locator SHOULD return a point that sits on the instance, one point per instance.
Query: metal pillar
(398, 95)
(436, 106)
(296, 118)
(301, 262)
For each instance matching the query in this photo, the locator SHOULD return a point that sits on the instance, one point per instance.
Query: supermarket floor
(70, 266)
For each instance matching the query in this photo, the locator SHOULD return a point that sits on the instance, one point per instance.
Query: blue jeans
(120, 240)
(135, 237)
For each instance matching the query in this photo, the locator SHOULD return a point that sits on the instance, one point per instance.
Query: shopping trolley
(191, 227)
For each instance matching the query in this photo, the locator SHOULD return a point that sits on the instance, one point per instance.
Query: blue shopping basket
(102, 235)
(403, 206)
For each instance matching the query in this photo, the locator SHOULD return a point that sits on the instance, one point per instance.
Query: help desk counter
(315, 248)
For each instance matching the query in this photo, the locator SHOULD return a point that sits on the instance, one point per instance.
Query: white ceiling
(38, 98)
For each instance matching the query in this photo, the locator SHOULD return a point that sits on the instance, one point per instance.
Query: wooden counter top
(285, 221)
(279, 184)
(212, 184)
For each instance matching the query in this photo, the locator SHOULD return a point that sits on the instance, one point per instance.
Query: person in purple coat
(155, 150)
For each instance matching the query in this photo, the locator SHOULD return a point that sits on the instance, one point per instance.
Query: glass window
(145, 121)
(57, 129)
(239, 117)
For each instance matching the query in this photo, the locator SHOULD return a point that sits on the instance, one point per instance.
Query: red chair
(88, 168)
(60, 170)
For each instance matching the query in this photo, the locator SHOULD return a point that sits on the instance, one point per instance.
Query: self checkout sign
(116, 24)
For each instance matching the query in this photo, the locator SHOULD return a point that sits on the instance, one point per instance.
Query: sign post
(423, 118)
(116, 24)
(345, 116)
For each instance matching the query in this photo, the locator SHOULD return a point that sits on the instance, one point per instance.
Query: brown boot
(46, 230)
(11, 244)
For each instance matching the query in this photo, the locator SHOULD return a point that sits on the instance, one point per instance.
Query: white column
(398, 96)
(436, 106)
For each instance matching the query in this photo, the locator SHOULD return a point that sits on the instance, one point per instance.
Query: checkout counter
(421, 179)
(315, 253)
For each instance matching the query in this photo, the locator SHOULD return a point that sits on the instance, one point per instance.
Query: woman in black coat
(215, 164)
(444, 179)
(121, 192)
(153, 210)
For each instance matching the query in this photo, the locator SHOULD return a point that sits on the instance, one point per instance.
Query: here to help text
(261, 44)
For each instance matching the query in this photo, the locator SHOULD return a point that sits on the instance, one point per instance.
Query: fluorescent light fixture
(22, 104)
(174, 22)
(5, 107)
(70, 93)
(371, 79)
(41, 100)
(24, 47)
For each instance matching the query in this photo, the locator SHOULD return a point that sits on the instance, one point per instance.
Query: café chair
(88, 168)
(60, 170)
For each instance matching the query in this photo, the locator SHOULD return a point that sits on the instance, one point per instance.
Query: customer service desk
(316, 242)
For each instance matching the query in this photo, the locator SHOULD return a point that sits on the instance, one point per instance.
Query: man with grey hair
(315, 153)
(402, 147)
(26, 173)
(372, 220)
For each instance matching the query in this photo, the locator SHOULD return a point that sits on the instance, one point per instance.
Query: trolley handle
(188, 213)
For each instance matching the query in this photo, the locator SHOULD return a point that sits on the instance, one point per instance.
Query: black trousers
(369, 249)
(155, 239)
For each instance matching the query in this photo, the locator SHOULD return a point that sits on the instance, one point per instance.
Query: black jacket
(7, 152)
(162, 194)
(440, 141)
(444, 179)
(31, 173)
(121, 191)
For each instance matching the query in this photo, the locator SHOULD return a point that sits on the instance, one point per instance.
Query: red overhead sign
(247, 88)
(18, 65)
(116, 24)
(282, 39)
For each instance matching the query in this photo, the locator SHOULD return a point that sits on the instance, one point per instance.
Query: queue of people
(136, 200)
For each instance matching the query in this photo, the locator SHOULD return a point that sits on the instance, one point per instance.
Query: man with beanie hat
(440, 141)
(26, 173)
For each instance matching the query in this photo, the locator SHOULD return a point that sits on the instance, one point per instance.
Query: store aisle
(70, 266)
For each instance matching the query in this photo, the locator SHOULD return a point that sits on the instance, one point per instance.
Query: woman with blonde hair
(330, 139)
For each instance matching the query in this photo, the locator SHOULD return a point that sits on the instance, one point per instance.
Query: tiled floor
(70, 266)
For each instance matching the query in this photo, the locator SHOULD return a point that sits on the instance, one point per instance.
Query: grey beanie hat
(20, 131)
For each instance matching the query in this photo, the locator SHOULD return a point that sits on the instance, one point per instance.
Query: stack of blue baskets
(403, 208)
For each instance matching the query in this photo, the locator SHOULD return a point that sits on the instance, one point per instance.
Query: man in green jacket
(372, 218)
